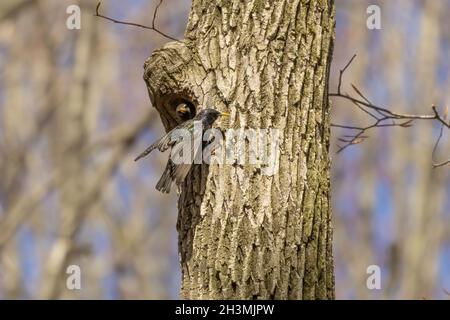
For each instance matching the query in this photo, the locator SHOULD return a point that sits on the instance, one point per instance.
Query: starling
(184, 112)
(178, 172)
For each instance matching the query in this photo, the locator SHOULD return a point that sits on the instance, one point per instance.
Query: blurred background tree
(74, 111)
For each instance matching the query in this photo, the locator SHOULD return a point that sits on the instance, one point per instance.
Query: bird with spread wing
(178, 172)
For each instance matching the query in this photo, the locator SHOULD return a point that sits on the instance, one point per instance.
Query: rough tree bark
(244, 235)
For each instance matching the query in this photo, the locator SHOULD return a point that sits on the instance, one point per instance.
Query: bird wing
(165, 181)
(167, 140)
(172, 172)
(182, 170)
(178, 172)
(162, 144)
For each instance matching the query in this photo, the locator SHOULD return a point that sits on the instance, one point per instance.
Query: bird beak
(224, 114)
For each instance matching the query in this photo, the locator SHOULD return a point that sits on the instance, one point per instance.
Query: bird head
(184, 112)
(208, 116)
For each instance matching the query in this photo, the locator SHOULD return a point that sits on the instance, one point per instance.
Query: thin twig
(366, 111)
(390, 114)
(98, 14)
(439, 118)
(359, 137)
(441, 133)
(341, 72)
(155, 13)
(442, 164)
(385, 117)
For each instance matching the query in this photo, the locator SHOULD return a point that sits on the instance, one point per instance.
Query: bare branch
(98, 14)
(341, 72)
(366, 111)
(436, 145)
(359, 137)
(359, 93)
(390, 114)
(382, 117)
(442, 164)
(440, 118)
(155, 13)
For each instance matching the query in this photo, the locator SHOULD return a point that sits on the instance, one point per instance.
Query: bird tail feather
(165, 182)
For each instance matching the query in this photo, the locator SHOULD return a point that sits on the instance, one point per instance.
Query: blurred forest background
(74, 112)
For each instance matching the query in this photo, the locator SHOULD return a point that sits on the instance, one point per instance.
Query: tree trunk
(242, 234)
